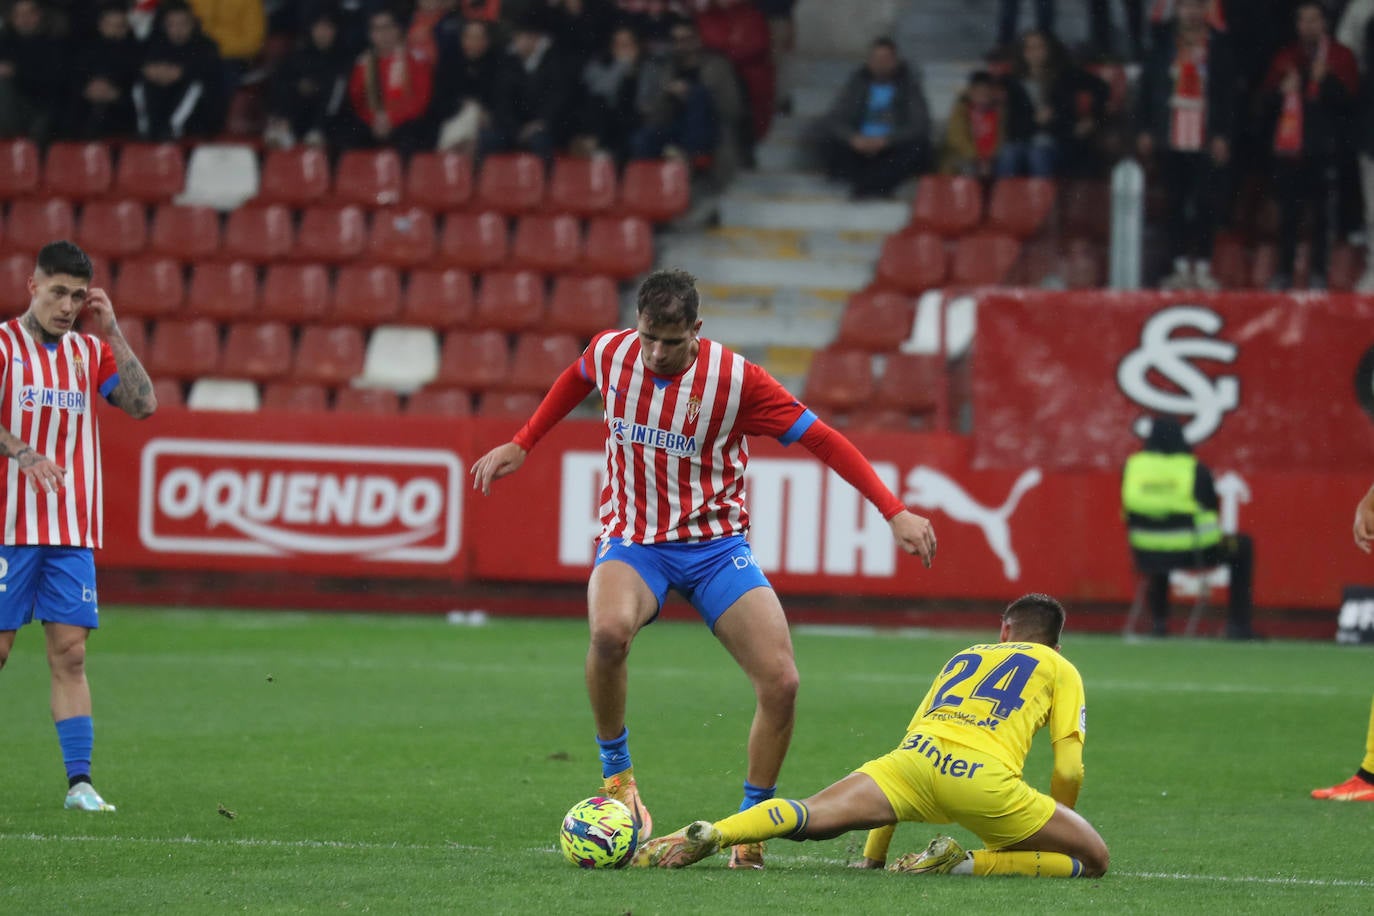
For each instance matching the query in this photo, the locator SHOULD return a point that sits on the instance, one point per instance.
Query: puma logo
(930, 489)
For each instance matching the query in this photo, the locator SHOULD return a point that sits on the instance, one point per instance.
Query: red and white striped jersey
(675, 446)
(47, 400)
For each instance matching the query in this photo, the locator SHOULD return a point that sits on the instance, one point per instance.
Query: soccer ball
(598, 833)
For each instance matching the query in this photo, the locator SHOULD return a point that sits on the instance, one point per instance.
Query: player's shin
(1030, 864)
(778, 817)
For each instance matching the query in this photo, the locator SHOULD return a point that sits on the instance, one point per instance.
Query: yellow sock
(1368, 765)
(1032, 864)
(777, 817)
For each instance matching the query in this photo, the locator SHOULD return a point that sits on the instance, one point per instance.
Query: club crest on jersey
(32, 397)
(674, 443)
(79, 370)
(693, 408)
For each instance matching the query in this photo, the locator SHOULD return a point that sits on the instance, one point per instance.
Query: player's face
(56, 300)
(667, 349)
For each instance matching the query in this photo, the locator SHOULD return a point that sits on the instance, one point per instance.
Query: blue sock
(754, 795)
(615, 754)
(76, 736)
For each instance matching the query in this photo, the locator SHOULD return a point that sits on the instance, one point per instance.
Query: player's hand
(44, 475)
(868, 863)
(1364, 522)
(495, 464)
(914, 534)
(99, 306)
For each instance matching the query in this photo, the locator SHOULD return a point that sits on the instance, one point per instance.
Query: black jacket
(1157, 87)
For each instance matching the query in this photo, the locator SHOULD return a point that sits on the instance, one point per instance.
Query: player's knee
(779, 690)
(611, 640)
(1095, 860)
(69, 660)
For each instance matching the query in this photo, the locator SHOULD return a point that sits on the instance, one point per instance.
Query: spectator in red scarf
(390, 88)
(740, 31)
(1308, 96)
(1186, 113)
(976, 129)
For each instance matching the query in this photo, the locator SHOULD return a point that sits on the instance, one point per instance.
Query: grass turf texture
(399, 764)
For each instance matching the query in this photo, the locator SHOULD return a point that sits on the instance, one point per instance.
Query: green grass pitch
(394, 764)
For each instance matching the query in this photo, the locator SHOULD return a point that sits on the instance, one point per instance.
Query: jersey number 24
(1001, 686)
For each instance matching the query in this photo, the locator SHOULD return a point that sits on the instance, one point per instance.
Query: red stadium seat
(224, 291)
(511, 183)
(329, 355)
(34, 222)
(402, 236)
(514, 404)
(947, 205)
(510, 300)
(151, 172)
(366, 295)
(168, 391)
(184, 348)
(296, 293)
(985, 258)
(474, 241)
(910, 382)
(440, 402)
(839, 380)
(114, 228)
(186, 233)
(19, 169)
(135, 332)
(583, 305)
(582, 186)
(1230, 261)
(15, 270)
(258, 350)
(261, 234)
(332, 234)
(1021, 207)
(884, 418)
(150, 286)
(876, 320)
(538, 359)
(302, 397)
(912, 263)
(439, 181)
(367, 400)
(655, 189)
(78, 171)
(1345, 267)
(438, 298)
(475, 360)
(619, 246)
(1085, 264)
(368, 178)
(295, 177)
(549, 244)
(1086, 208)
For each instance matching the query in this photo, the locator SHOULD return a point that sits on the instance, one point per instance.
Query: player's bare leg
(71, 706)
(6, 644)
(754, 631)
(618, 605)
(1066, 847)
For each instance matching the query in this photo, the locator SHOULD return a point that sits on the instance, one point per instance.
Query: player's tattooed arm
(134, 393)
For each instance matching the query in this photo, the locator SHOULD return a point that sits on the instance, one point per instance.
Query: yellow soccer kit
(966, 747)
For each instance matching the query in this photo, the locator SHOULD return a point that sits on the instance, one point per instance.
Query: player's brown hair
(668, 297)
(1035, 618)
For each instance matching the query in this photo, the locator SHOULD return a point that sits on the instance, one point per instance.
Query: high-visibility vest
(1162, 514)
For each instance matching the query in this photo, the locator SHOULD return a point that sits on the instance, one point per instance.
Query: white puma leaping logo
(930, 489)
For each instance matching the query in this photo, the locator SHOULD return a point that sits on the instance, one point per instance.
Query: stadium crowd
(1253, 117)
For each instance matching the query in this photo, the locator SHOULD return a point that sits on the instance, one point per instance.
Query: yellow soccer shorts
(932, 782)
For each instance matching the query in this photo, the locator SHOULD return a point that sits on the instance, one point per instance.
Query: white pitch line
(424, 847)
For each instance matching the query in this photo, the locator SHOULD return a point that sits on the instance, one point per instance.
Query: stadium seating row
(913, 263)
(952, 206)
(402, 236)
(513, 183)
(902, 394)
(238, 394)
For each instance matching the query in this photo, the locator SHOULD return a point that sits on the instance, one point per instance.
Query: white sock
(965, 867)
(1202, 268)
(1180, 265)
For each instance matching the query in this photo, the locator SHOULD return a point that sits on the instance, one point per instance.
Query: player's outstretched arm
(875, 847)
(914, 534)
(495, 464)
(1364, 522)
(42, 473)
(134, 393)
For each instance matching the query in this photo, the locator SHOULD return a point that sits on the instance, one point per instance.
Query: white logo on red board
(280, 499)
(1192, 392)
(929, 489)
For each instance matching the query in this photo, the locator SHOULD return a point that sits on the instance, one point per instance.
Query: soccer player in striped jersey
(1359, 787)
(50, 489)
(678, 410)
(962, 761)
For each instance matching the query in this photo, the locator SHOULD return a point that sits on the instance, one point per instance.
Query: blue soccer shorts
(712, 575)
(55, 584)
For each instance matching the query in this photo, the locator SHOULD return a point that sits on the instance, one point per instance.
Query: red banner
(1262, 382)
(354, 496)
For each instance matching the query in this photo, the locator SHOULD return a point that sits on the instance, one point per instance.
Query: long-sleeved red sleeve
(567, 392)
(840, 455)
